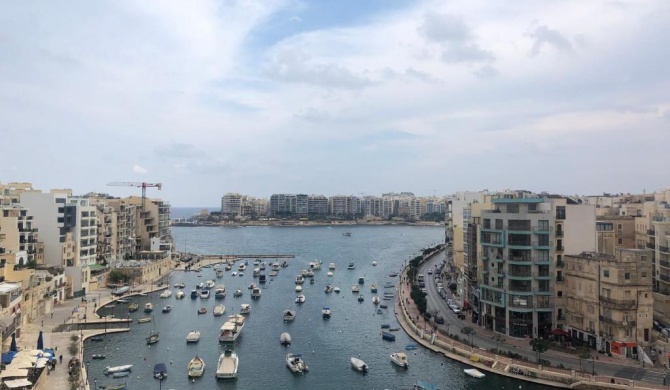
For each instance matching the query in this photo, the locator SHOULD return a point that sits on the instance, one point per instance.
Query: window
(532, 207)
(620, 241)
(626, 276)
(560, 212)
(559, 293)
(513, 208)
(487, 224)
(606, 273)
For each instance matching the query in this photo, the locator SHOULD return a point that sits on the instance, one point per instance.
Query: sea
(326, 345)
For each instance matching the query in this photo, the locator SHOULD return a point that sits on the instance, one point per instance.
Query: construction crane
(142, 185)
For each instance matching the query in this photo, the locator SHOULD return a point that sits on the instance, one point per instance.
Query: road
(482, 337)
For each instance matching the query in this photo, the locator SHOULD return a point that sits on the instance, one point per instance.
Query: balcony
(515, 273)
(664, 263)
(512, 289)
(619, 303)
(665, 278)
(651, 245)
(611, 321)
(542, 229)
(651, 232)
(520, 260)
(560, 264)
(664, 249)
(560, 278)
(560, 248)
(520, 302)
(559, 233)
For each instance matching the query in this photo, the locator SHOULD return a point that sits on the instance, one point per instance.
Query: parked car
(430, 272)
(439, 319)
(457, 311)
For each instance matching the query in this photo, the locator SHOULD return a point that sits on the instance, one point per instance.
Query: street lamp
(593, 365)
(95, 381)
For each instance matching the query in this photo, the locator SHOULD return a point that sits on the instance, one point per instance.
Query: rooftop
(517, 200)
(6, 287)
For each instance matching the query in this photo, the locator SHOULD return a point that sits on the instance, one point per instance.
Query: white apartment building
(231, 204)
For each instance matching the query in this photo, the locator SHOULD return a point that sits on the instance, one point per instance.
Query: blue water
(327, 345)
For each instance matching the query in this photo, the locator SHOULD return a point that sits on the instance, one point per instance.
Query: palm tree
(470, 333)
(540, 346)
(498, 339)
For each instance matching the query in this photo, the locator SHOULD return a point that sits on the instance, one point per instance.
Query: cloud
(543, 35)
(139, 170)
(458, 52)
(456, 38)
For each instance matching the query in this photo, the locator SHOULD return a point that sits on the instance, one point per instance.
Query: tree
(583, 353)
(470, 333)
(539, 346)
(498, 339)
(116, 276)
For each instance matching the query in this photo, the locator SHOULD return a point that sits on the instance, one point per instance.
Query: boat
(121, 386)
(361, 280)
(284, 264)
(351, 266)
(315, 265)
(194, 294)
(273, 274)
(337, 290)
(196, 367)
(148, 307)
(289, 315)
(346, 234)
(379, 311)
(120, 374)
(262, 266)
(193, 336)
(200, 286)
(410, 347)
(400, 358)
(355, 288)
(240, 274)
(167, 309)
(276, 266)
(160, 371)
(120, 291)
(300, 298)
(166, 294)
(359, 365)
(423, 385)
(388, 336)
(298, 288)
(257, 262)
(299, 279)
(202, 310)
(97, 338)
(328, 289)
(309, 273)
(232, 328)
(233, 274)
(220, 292)
(245, 308)
(361, 298)
(394, 329)
(219, 310)
(385, 326)
(383, 306)
(112, 370)
(285, 339)
(374, 263)
(256, 272)
(123, 300)
(375, 300)
(226, 368)
(311, 281)
(179, 295)
(295, 363)
(143, 320)
(204, 294)
(180, 285)
(210, 284)
(219, 273)
(251, 286)
(242, 267)
(237, 293)
(262, 279)
(393, 274)
(98, 356)
(473, 372)
(373, 288)
(329, 273)
(331, 266)
(326, 313)
(389, 285)
(228, 267)
(256, 293)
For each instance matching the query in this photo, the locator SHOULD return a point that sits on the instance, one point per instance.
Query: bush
(73, 349)
(74, 337)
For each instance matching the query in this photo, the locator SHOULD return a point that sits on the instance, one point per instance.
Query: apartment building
(152, 222)
(343, 205)
(609, 300)
(146, 267)
(659, 239)
(19, 245)
(523, 241)
(317, 204)
(455, 222)
(615, 232)
(11, 300)
(231, 204)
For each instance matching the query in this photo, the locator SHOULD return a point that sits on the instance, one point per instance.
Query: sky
(342, 97)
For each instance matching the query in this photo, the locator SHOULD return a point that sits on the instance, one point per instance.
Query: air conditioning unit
(625, 323)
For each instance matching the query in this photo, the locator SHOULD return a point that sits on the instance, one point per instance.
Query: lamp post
(593, 365)
(95, 381)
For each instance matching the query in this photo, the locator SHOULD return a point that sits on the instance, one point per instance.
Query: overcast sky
(335, 97)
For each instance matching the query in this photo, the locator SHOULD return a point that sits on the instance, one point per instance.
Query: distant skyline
(295, 96)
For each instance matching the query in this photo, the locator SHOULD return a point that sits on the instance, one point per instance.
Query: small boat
(295, 363)
(410, 347)
(385, 326)
(394, 329)
(210, 284)
(276, 266)
(219, 273)
(194, 294)
(167, 309)
(315, 265)
(300, 298)
(148, 307)
(389, 285)
(298, 288)
(388, 336)
(228, 267)
(166, 294)
(400, 358)
(241, 267)
(98, 356)
(285, 339)
(124, 300)
(273, 274)
(473, 372)
(160, 371)
(256, 272)
(121, 374)
(179, 295)
(245, 308)
(97, 338)
(337, 290)
(202, 310)
(284, 264)
(328, 289)
(373, 288)
(193, 336)
(143, 320)
(331, 266)
(180, 285)
(379, 311)
(346, 234)
(196, 367)
(113, 387)
(361, 280)
(200, 285)
(251, 286)
(326, 313)
(311, 281)
(237, 293)
(393, 274)
(112, 370)
(220, 292)
(359, 365)
(361, 298)
(262, 266)
(233, 274)
(329, 274)
(355, 288)
(299, 279)
(262, 279)
(374, 263)
(289, 315)
(309, 273)
(219, 310)
(383, 306)
(351, 266)
(256, 293)
(227, 365)
(204, 294)
(375, 300)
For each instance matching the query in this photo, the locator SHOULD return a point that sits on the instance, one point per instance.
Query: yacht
(148, 307)
(331, 266)
(232, 328)
(245, 308)
(220, 292)
(166, 294)
(179, 295)
(300, 298)
(227, 366)
(276, 266)
(204, 294)
(255, 292)
(241, 267)
(219, 310)
(326, 313)
(355, 288)
(295, 363)
(359, 365)
(193, 336)
(351, 266)
(219, 273)
(289, 315)
(400, 358)
(196, 367)
(256, 272)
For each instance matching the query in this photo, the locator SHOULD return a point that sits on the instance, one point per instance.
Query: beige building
(615, 232)
(659, 238)
(11, 302)
(152, 224)
(18, 237)
(609, 300)
(148, 267)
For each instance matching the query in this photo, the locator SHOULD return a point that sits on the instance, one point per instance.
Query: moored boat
(375, 300)
(121, 374)
(111, 370)
(196, 367)
(160, 371)
(300, 298)
(351, 266)
(400, 358)
(295, 363)
(328, 289)
(289, 315)
(148, 307)
(219, 310)
(361, 280)
(285, 339)
(166, 294)
(237, 293)
(329, 274)
(193, 336)
(315, 264)
(326, 313)
(361, 298)
(232, 328)
(167, 309)
(202, 310)
(179, 295)
(220, 291)
(256, 293)
(98, 356)
(374, 263)
(227, 365)
(410, 347)
(143, 320)
(359, 365)
(299, 279)
(355, 288)
(194, 294)
(388, 336)
(204, 293)
(473, 372)
(337, 290)
(298, 288)
(245, 308)
(373, 288)
(331, 266)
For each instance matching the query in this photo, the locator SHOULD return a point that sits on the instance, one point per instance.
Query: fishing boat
(300, 299)
(166, 294)
(331, 266)
(326, 313)
(361, 298)
(196, 367)
(227, 365)
(160, 371)
(295, 363)
(143, 320)
(202, 310)
(148, 307)
(473, 372)
(410, 347)
(232, 328)
(351, 266)
(153, 337)
(245, 308)
(289, 315)
(179, 295)
(210, 284)
(204, 293)
(193, 336)
(388, 336)
(373, 288)
(194, 294)
(359, 365)
(256, 293)
(400, 359)
(112, 370)
(285, 339)
(98, 356)
(167, 309)
(97, 338)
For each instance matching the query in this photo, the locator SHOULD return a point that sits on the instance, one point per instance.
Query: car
(453, 307)
(439, 286)
(439, 319)
(457, 311)
(423, 290)
(449, 302)
(429, 272)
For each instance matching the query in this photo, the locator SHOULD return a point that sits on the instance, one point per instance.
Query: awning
(560, 332)
(14, 373)
(12, 384)
(96, 267)
(6, 321)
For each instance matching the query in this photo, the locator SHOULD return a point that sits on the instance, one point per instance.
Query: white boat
(276, 266)
(193, 336)
(374, 263)
(285, 339)
(196, 367)
(331, 266)
(359, 365)
(289, 315)
(227, 366)
(328, 289)
(233, 274)
(400, 358)
(295, 363)
(473, 372)
(166, 294)
(228, 267)
(336, 289)
(179, 295)
(220, 292)
(256, 293)
(315, 265)
(148, 307)
(219, 310)
(310, 273)
(299, 279)
(256, 272)
(298, 288)
(241, 267)
(237, 293)
(330, 274)
(111, 370)
(245, 308)
(219, 273)
(355, 288)
(375, 300)
(326, 313)
(351, 266)
(300, 298)
(232, 328)
(252, 285)
(180, 285)
(204, 294)
(210, 284)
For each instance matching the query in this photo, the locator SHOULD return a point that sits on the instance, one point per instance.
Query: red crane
(142, 185)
